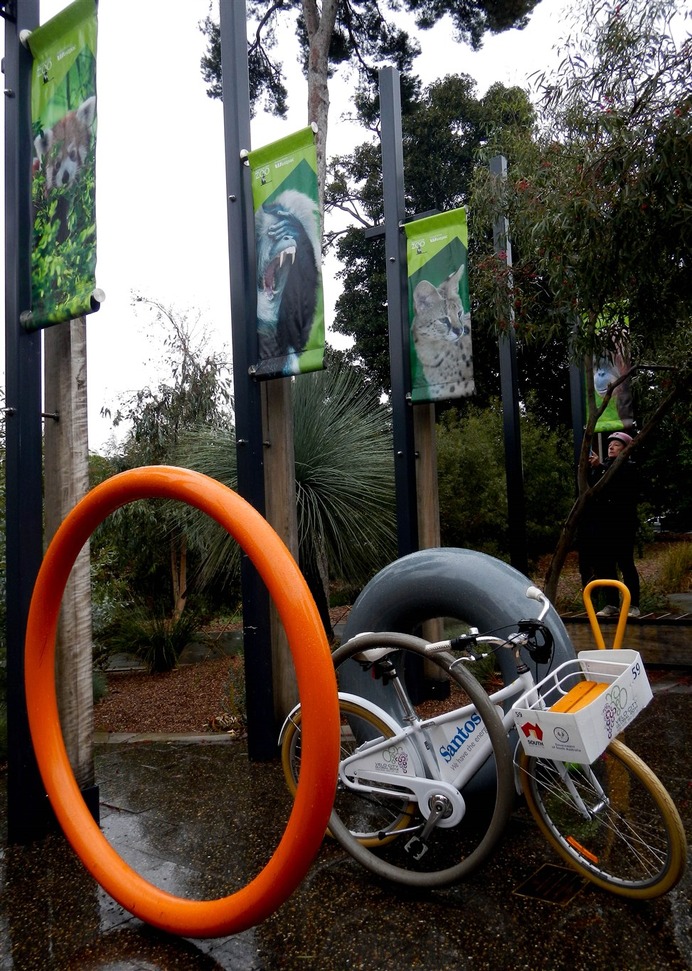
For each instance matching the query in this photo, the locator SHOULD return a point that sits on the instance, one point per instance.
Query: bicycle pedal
(416, 848)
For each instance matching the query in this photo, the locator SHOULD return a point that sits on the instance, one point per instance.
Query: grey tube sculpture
(445, 582)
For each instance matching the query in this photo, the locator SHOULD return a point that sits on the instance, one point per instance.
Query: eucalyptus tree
(194, 391)
(443, 130)
(357, 35)
(599, 204)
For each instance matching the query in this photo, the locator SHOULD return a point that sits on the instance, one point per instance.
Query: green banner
(619, 413)
(290, 301)
(63, 113)
(439, 307)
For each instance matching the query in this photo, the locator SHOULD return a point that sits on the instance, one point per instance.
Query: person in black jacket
(615, 524)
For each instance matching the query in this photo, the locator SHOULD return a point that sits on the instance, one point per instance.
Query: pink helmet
(620, 437)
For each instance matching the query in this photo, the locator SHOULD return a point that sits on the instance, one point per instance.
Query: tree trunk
(67, 481)
(320, 27)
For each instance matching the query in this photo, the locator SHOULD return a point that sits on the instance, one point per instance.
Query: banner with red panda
(63, 114)
(290, 303)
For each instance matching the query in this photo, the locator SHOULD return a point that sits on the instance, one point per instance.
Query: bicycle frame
(439, 753)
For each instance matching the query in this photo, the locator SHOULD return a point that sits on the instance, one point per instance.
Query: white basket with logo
(574, 713)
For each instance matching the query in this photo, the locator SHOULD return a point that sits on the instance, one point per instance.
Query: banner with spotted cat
(290, 304)
(63, 113)
(439, 307)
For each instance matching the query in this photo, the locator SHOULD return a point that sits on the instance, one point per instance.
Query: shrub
(155, 639)
(473, 481)
(676, 568)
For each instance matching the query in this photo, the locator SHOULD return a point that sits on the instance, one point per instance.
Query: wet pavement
(198, 819)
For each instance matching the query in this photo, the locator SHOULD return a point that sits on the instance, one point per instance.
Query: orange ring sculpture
(316, 685)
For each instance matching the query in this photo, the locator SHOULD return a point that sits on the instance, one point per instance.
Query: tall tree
(599, 207)
(443, 131)
(358, 33)
(196, 392)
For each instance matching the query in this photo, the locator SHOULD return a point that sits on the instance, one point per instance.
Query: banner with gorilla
(609, 368)
(63, 114)
(439, 307)
(290, 302)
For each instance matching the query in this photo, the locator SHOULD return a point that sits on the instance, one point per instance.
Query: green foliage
(196, 390)
(344, 473)
(443, 130)
(666, 463)
(141, 545)
(157, 640)
(473, 488)
(676, 568)
(344, 480)
(366, 36)
(473, 18)
(599, 201)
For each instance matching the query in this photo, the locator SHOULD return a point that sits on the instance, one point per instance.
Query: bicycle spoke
(632, 841)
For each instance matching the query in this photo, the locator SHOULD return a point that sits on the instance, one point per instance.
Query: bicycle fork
(586, 811)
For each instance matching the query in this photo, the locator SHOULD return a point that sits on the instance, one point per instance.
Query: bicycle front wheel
(370, 816)
(631, 842)
(454, 712)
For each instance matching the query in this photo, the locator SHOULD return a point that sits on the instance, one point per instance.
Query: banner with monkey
(63, 113)
(439, 307)
(290, 301)
(608, 368)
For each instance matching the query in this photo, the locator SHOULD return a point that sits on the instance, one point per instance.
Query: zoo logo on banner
(63, 112)
(290, 302)
(439, 307)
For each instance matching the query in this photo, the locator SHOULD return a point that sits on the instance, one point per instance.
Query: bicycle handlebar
(518, 639)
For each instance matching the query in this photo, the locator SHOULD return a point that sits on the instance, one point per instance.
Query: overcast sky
(161, 216)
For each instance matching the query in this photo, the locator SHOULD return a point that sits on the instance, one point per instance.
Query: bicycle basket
(577, 710)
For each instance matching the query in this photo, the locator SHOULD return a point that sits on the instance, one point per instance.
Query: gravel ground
(187, 699)
(196, 697)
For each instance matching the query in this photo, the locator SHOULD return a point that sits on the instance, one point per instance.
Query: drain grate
(552, 884)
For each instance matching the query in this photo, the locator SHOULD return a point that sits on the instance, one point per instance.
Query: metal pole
(397, 303)
(248, 404)
(29, 815)
(509, 384)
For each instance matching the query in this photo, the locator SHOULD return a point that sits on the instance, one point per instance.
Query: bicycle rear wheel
(370, 816)
(633, 842)
(452, 850)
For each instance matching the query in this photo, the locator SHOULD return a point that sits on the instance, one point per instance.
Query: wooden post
(66, 482)
(428, 494)
(280, 511)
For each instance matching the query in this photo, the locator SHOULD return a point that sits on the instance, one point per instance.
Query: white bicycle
(425, 789)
